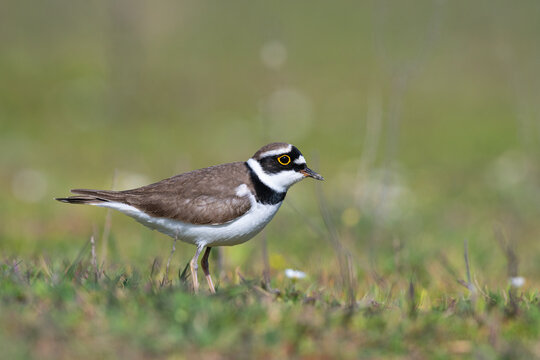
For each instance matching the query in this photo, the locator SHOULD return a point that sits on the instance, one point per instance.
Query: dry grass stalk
(94, 259)
(165, 280)
(344, 257)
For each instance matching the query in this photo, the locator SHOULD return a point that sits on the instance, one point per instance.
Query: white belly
(231, 233)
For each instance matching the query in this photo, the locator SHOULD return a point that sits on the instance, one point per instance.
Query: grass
(73, 309)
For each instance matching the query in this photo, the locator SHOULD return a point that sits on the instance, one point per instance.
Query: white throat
(280, 181)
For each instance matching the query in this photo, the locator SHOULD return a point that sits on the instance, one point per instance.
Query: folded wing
(206, 196)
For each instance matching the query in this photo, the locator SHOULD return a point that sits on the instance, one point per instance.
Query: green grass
(51, 309)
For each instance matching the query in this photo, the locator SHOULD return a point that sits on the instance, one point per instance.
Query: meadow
(421, 243)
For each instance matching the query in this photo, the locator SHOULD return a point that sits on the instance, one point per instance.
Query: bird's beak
(307, 172)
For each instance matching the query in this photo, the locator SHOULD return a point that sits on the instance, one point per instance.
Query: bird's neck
(264, 194)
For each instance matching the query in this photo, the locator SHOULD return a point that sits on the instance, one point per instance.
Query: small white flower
(517, 281)
(295, 274)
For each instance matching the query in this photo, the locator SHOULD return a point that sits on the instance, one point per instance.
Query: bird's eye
(284, 160)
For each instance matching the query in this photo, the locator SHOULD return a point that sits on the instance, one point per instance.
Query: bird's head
(280, 165)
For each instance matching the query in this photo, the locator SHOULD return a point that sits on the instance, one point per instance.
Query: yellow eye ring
(284, 160)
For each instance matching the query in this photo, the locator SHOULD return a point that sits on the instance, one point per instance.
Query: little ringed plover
(221, 205)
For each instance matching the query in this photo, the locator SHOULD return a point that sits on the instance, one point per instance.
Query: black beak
(308, 172)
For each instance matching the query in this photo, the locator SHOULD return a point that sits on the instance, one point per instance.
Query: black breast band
(263, 193)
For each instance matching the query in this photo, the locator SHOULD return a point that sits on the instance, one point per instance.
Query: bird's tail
(91, 197)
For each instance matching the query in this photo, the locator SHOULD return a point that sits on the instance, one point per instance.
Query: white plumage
(233, 232)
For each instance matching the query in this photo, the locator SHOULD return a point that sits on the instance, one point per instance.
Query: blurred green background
(423, 118)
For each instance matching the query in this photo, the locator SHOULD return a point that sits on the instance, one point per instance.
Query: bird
(221, 205)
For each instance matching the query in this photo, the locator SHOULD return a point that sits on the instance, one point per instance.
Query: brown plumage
(212, 201)
(269, 147)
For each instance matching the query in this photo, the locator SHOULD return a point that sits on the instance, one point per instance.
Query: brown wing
(205, 196)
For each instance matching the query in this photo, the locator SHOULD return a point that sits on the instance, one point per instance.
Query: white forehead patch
(300, 160)
(277, 151)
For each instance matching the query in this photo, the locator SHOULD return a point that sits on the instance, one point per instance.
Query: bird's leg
(204, 263)
(193, 266)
